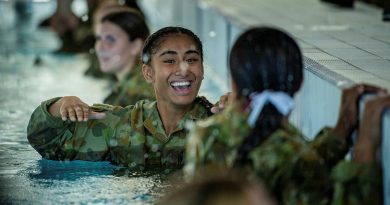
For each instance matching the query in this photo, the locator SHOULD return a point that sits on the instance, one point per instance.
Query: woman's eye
(98, 38)
(111, 39)
(192, 60)
(169, 61)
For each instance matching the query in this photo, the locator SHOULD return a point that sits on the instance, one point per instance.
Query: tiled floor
(354, 43)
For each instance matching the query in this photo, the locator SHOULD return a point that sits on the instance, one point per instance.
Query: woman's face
(113, 47)
(176, 70)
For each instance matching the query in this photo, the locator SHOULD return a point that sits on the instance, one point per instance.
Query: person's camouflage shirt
(295, 170)
(132, 136)
(131, 89)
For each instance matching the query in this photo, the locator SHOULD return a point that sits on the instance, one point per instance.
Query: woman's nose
(100, 46)
(183, 69)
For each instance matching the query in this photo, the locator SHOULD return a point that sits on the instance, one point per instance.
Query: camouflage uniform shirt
(295, 170)
(131, 89)
(132, 136)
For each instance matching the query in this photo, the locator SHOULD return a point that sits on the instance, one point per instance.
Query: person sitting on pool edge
(254, 134)
(147, 134)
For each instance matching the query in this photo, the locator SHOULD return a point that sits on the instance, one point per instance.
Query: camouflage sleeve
(213, 141)
(330, 147)
(58, 140)
(194, 151)
(356, 183)
(292, 169)
(306, 173)
(45, 132)
(202, 149)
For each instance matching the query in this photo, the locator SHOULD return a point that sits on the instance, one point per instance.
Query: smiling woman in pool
(146, 134)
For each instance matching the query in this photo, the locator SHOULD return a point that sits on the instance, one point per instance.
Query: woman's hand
(348, 114)
(369, 138)
(72, 108)
(224, 100)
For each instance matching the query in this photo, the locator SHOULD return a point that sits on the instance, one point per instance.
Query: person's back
(254, 133)
(76, 32)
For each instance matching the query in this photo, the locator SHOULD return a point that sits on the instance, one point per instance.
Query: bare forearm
(341, 130)
(364, 155)
(365, 149)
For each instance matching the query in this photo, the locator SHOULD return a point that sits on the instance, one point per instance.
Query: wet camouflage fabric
(133, 136)
(295, 170)
(130, 90)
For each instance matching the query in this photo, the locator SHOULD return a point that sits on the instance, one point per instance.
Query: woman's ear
(137, 46)
(148, 73)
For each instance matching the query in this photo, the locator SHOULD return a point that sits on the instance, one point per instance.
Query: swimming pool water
(26, 178)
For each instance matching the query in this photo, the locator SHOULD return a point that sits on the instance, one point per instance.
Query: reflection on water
(88, 182)
(29, 74)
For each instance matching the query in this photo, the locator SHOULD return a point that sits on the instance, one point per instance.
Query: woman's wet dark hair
(130, 21)
(153, 42)
(265, 59)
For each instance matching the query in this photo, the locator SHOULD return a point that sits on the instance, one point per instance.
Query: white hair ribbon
(283, 102)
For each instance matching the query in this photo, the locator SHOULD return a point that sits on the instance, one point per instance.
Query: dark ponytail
(268, 122)
(264, 59)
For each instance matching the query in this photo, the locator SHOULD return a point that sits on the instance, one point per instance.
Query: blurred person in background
(385, 4)
(120, 35)
(341, 3)
(76, 32)
(105, 7)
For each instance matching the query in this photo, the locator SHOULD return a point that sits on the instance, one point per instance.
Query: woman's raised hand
(73, 109)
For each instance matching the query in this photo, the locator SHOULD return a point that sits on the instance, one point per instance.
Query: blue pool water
(29, 74)
(25, 178)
